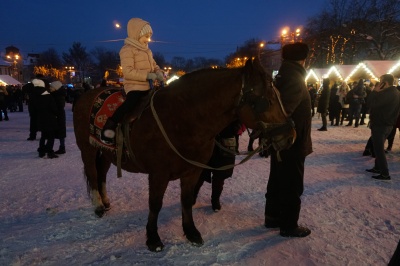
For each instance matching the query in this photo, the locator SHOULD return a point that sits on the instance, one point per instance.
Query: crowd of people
(46, 106)
(339, 102)
(11, 100)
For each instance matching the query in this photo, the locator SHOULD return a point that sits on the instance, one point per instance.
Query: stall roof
(316, 74)
(371, 69)
(380, 67)
(8, 80)
(345, 70)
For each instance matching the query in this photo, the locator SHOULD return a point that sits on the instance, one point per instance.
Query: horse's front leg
(187, 194)
(157, 187)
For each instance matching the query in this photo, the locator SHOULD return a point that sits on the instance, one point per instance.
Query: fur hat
(56, 85)
(295, 51)
(146, 29)
(38, 83)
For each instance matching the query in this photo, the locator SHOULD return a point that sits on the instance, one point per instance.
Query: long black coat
(59, 96)
(44, 105)
(334, 104)
(323, 102)
(296, 100)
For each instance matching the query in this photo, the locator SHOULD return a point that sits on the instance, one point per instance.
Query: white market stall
(8, 80)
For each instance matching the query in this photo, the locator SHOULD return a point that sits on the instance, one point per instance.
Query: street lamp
(260, 47)
(14, 59)
(167, 70)
(290, 36)
(71, 71)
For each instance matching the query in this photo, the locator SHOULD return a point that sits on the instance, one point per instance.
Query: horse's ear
(249, 63)
(256, 61)
(248, 67)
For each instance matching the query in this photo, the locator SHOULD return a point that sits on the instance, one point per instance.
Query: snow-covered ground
(46, 217)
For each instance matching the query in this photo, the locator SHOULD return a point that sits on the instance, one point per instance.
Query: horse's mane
(207, 79)
(202, 76)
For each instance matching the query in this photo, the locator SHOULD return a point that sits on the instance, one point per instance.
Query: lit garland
(364, 67)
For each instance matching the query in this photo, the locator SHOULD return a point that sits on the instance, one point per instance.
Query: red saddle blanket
(103, 107)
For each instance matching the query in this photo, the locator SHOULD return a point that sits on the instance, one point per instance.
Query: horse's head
(261, 109)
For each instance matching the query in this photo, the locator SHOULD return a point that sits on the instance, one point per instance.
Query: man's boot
(51, 155)
(61, 150)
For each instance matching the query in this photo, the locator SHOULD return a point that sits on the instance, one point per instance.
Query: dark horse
(191, 112)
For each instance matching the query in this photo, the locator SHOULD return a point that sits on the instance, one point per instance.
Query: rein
(198, 164)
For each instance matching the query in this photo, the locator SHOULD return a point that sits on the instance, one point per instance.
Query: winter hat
(137, 27)
(56, 85)
(295, 51)
(146, 29)
(38, 83)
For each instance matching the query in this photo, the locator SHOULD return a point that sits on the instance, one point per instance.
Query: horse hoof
(156, 247)
(100, 211)
(196, 241)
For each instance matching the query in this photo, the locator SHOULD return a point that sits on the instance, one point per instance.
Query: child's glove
(151, 76)
(160, 75)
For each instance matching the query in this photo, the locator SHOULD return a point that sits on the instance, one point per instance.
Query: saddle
(104, 106)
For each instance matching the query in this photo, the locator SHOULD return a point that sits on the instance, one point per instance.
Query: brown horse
(191, 112)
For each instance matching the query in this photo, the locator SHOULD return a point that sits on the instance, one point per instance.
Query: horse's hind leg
(90, 158)
(157, 187)
(102, 166)
(187, 193)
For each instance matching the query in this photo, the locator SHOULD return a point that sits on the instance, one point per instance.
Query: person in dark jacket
(323, 103)
(357, 98)
(285, 184)
(334, 106)
(59, 93)
(364, 105)
(313, 95)
(3, 105)
(384, 110)
(218, 159)
(28, 89)
(77, 93)
(46, 109)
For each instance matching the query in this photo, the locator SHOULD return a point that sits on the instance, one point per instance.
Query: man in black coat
(28, 89)
(220, 158)
(46, 109)
(384, 110)
(323, 103)
(285, 184)
(59, 93)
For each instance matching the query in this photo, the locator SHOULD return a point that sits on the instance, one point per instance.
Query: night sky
(211, 29)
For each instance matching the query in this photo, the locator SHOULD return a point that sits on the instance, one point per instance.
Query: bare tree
(106, 60)
(79, 58)
(349, 31)
(50, 58)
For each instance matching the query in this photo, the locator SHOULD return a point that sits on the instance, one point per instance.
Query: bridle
(267, 132)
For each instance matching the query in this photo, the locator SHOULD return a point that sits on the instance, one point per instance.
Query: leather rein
(267, 131)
